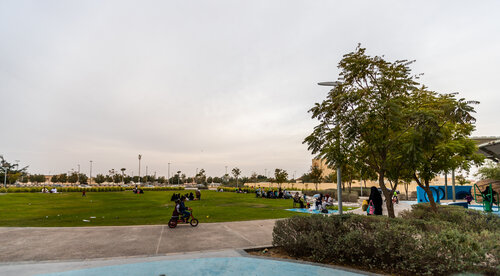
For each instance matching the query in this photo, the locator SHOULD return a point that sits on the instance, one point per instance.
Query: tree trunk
(388, 201)
(350, 183)
(428, 191)
(406, 190)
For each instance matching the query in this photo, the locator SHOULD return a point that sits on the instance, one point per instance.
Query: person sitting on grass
(191, 196)
(198, 194)
(174, 197)
(297, 199)
(319, 201)
(328, 201)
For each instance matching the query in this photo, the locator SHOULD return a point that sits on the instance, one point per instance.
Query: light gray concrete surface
(44, 267)
(398, 208)
(81, 243)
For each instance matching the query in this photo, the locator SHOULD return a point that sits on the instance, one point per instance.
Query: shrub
(467, 219)
(78, 189)
(402, 246)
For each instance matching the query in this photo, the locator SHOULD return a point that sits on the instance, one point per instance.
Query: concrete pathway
(79, 243)
(225, 262)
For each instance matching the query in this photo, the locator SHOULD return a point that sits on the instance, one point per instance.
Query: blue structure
(438, 193)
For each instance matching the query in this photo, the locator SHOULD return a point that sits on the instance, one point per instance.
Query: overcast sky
(209, 84)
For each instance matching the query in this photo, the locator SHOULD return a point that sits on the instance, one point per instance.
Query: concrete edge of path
(124, 226)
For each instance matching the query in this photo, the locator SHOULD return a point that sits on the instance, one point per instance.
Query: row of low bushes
(454, 240)
(158, 188)
(78, 189)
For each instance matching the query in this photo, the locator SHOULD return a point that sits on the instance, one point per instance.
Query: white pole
(453, 184)
(339, 189)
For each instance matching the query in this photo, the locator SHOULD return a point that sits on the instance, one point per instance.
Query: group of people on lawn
(187, 196)
(321, 202)
(261, 192)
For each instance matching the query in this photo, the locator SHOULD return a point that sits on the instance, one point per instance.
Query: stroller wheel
(172, 223)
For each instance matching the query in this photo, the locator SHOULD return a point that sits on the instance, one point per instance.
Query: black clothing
(376, 198)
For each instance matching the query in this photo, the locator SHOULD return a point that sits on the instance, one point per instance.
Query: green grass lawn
(126, 208)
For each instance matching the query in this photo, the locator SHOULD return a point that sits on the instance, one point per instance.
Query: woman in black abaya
(376, 198)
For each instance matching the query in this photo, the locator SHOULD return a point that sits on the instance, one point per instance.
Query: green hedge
(78, 189)
(408, 246)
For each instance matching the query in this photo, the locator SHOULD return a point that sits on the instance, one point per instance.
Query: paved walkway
(79, 243)
(225, 262)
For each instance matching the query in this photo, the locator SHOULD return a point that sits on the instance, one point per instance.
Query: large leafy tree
(13, 171)
(315, 175)
(365, 115)
(37, 178)
(201, 177)
(281, 176)
(99, 179)
(439, 141)
(489, 171)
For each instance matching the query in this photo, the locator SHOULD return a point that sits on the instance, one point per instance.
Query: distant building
(323, 166)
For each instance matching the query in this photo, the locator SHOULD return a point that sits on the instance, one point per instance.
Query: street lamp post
(140, 156)
(339, 172)
(78, 175)
(168, 178)
(5, 176)
(90, 178)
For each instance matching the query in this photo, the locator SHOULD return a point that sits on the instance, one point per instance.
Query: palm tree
(236, 172)
(123, 174)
